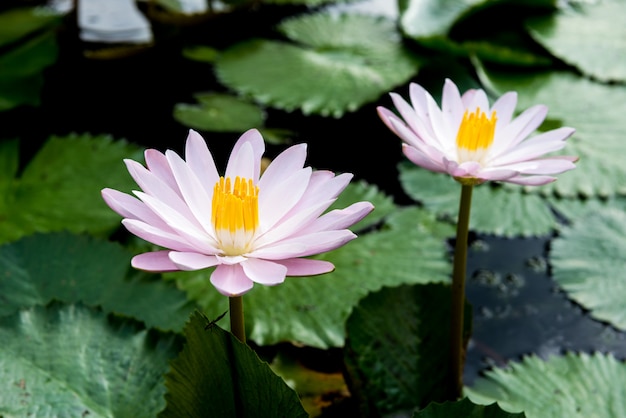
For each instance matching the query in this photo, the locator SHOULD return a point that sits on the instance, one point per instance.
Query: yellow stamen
(235, 208)
(476, 130)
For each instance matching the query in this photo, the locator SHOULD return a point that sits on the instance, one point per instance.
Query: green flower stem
(458, 291)
(237, 326)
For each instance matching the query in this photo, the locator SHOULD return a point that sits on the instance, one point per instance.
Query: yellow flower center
(235, 214)
(475, 135)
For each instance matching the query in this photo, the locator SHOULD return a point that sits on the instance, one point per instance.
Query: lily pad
(409, 248)
(583, 385)
(217, 375)
(60, 187)
(341, 62)
(72, 269)
(588, 263)
(588, 35)
(495, 210)
(19, 22)
(219, 113)
(595, 110)
(71, 361)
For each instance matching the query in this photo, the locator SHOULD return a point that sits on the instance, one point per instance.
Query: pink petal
(264, 272)
(287, 163)
(192, 260)
(477, 99)
(385, 115)
(302, 246)
(407, 113)
(306, 266)
(340, 218)
(130, 207)
(543, 166)
(248, 164)
(466, 169)
(504, 108)
(154, 261)
(419, 158)
(451, 103)
(200, 161)
(537, 146)
(161, 237)
(515, 132)
(276, 201)
(158, 165)
(531, 180)
(497, 174)
(193, 191)
(231, 280)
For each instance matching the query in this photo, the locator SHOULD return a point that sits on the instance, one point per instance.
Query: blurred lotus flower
(253, 228)
(474, 142)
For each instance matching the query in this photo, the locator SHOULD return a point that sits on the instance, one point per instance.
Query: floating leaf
(219, 113)
(342, 62)
(216, 375)
(588, 261)
(71, 361)
(60, 187)
(362, 191)
(495, 210)
(595, 110)
(580, 34)
(409, 248)
(201, 53)
(72, 269)
(573, 385)
(464, 408)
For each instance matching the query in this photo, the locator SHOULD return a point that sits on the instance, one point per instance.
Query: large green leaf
(495, 210)
(61, 266)
(397, 350)
(216, 375)
(71, 361)
(219, 113)
(588, 263)
(60, 187)
(466, 409)
(340, 63)
(409, 248)
(430, 18)
(595, 110)
(588, 35)
(583, 385)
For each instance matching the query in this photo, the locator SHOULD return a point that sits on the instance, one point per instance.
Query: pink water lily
(475, 142)
(253, 228)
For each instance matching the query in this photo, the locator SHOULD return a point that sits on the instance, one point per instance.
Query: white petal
(340, 218)
(264, 272)
(231, 280)
(452, 105)
(537, 146)
(518, 130)
(531, 180)
(158, 165)
(131, 207)
(419, 158)
(407, 113)
(504, 108)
